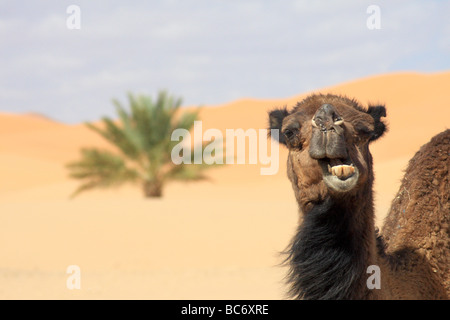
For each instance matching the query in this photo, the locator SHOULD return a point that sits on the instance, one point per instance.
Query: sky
(209, 52)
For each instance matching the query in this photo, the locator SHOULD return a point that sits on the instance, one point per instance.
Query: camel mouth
(338, 174)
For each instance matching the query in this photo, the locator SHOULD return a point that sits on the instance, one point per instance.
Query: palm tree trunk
(152, 189)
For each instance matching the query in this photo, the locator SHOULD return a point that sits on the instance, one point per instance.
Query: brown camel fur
(419, 219)
(336, 247)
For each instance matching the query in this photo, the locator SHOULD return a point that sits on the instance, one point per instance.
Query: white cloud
(51, 26)
(106, 78)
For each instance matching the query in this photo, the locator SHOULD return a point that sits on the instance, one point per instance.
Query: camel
(337, 250)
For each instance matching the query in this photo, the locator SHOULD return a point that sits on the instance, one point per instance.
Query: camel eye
(288, 133)
(292, 138)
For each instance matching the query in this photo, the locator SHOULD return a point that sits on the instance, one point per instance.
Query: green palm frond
(100, 168)
(119, 137)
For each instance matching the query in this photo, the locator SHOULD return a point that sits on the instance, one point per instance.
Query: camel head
(328, 139)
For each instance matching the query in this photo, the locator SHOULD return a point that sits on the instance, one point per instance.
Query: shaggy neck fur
(332, 249)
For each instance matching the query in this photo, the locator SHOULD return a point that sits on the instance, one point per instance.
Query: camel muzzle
(327, 140)
(328, 146)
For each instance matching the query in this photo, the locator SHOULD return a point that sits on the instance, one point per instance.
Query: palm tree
(143, 139)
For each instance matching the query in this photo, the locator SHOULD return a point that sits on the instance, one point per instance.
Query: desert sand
(215, 239)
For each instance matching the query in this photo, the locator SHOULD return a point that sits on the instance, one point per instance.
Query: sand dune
(217, 239)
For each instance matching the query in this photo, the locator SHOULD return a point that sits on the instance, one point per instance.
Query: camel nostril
(318, 123)
(326, 118)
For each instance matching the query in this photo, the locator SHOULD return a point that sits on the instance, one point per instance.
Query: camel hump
(419, 217)
(422, 202)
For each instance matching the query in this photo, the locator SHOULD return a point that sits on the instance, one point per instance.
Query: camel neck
(331, 251)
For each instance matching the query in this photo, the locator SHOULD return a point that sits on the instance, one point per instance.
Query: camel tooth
(346, 171)
(339, 171)
(329, 168)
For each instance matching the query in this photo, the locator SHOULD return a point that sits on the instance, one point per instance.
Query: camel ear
(379, 126)
(276, 121)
